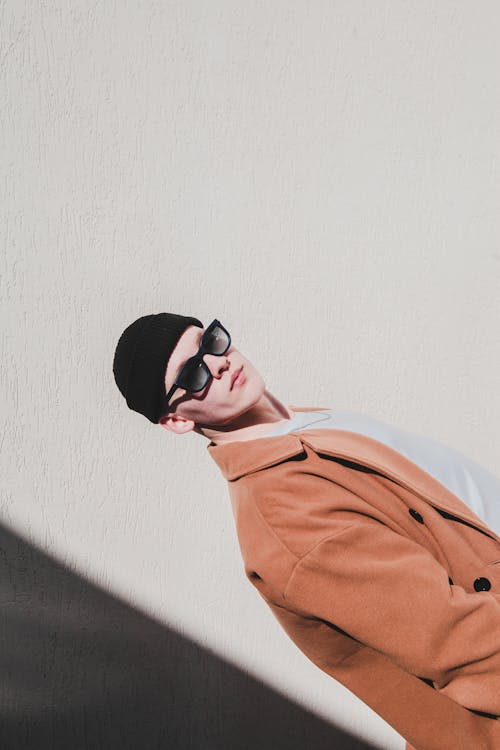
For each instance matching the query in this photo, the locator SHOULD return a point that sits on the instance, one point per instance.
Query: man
(374, 565)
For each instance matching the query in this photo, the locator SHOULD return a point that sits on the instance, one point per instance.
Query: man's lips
(235, 375)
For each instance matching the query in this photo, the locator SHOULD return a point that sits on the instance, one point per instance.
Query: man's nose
(215, 364)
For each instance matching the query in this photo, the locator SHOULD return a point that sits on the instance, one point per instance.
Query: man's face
(218, 403)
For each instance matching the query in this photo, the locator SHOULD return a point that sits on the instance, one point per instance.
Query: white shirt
(472, 483)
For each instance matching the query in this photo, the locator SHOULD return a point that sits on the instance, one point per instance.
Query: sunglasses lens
(194, 376)
(216, 340)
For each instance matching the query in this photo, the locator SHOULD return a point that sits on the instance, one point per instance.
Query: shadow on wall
(82, 670)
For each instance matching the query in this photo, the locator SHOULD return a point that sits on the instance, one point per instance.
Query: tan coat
(380, 575)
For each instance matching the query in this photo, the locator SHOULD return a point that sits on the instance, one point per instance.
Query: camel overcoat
(379, 574)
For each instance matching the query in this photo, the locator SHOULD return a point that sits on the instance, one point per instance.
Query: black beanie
(141, 358)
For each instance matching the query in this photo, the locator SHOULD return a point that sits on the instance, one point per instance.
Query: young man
(373, 547)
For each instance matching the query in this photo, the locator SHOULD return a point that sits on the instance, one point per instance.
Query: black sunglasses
(194, 373)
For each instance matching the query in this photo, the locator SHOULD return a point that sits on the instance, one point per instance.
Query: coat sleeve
(392, 595)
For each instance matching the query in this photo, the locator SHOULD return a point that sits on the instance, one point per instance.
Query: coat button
(482, 584)
(416, 515)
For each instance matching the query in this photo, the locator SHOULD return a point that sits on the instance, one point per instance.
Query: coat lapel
(376, 455)
(239, 458)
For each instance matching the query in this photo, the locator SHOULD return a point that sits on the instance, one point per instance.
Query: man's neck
(264, 417)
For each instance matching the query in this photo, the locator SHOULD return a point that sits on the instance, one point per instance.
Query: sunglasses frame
(198, 357)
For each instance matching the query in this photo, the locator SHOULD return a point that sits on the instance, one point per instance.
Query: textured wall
(323, 177)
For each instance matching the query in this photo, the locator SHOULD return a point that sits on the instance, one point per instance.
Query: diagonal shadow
(82, 670)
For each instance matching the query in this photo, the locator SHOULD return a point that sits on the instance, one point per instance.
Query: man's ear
(176, 423)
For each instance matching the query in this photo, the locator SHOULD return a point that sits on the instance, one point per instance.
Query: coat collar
(239, 458)
(244, 456)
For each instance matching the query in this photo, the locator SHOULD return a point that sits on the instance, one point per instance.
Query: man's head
(152, 356)
(223, 399)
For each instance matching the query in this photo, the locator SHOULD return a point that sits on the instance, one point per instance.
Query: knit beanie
(141, 358)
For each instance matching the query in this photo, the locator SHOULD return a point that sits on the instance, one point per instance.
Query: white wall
(323, 177)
